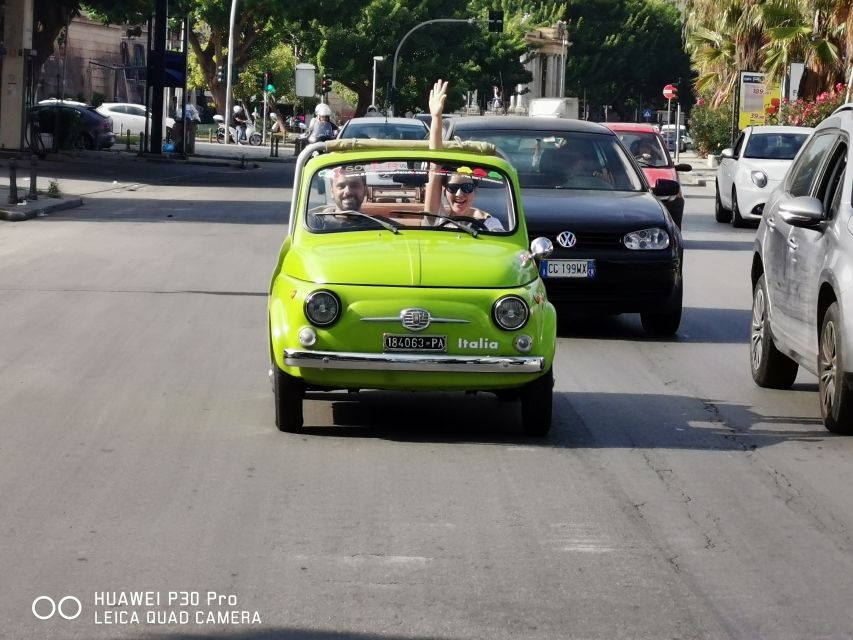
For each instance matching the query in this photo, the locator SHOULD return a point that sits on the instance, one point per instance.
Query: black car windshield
(393, 194)
(563, 159)
(774, 146)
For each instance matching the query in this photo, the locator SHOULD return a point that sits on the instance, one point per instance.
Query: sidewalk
(206, 154)
(700, 175)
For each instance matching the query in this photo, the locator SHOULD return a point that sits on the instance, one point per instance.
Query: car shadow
(719, 245)
(698, 325)
(582, 420)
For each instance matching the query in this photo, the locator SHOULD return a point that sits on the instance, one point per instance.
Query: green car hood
(420, 259)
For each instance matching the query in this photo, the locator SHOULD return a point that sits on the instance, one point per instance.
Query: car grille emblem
(567, 239)
(415, 319)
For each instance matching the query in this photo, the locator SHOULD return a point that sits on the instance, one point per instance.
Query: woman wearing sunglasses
(458, 189)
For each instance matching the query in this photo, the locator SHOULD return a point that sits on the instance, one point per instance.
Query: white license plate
(415, 343)
(567, 268)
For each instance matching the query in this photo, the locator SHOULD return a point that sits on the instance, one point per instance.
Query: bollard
(33, 195)
(210, 135)
(128, 140)
(13, 186)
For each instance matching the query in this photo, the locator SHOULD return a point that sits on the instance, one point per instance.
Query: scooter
(253, 136)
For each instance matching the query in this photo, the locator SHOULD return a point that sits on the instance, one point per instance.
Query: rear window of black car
(563, 159)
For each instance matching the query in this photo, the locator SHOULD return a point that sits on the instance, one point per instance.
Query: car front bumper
(412, 362)
(751, 199)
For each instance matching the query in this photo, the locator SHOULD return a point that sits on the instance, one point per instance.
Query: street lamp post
(418, 26)
(375, 60)
(231, 58)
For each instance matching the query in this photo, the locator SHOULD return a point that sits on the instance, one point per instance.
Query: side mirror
(684, 167)
(664, 187)
(541, 248)
(727, 153)
(802, 211)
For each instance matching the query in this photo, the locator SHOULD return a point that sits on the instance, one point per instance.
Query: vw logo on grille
(415, 319)
(567, 239)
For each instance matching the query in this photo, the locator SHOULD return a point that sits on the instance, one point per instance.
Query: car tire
(836, 397)
(665, 323)
(537, 405)
(737, 219)
(289, 395)
(720, 212)
(770, 368)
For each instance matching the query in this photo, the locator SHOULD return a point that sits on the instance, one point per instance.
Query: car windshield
(385, 131)
(774, 146)
(563, 159)
(646, 147)
(391, 194)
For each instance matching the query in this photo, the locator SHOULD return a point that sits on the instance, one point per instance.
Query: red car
(648, 148)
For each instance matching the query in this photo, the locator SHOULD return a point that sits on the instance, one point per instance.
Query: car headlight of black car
(322, 308)
(510, 313)
(646, 239)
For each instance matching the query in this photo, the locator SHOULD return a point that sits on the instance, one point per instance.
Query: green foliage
(711, 127)
(53, 190)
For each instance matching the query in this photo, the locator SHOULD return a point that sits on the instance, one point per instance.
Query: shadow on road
(719, 245)
(698, 325)
(582, 420)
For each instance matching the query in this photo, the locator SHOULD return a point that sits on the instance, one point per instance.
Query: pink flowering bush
(810, 113)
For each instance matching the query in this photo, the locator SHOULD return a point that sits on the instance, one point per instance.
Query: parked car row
(74, 123)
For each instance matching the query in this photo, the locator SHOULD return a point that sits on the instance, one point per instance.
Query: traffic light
(496, 21)
(269, 85)
(326, 83)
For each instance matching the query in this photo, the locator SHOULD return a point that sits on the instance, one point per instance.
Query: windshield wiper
(438, 216)
(379, 221)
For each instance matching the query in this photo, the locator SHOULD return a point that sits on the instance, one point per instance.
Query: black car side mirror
(664, 187)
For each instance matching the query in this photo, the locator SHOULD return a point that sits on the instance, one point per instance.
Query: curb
(29, 211)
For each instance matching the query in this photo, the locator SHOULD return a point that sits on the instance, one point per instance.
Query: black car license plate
(432, 344)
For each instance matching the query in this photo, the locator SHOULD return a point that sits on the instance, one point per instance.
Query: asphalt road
(673, 498)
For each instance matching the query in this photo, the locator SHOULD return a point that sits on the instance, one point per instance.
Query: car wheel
(83, 141)
(770, 367)
(289, 394)
(665, 323)
(836, 398)
(536, 405)
(737, 219)
(720, 213)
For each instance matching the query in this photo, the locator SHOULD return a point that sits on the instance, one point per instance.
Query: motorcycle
(253, 136)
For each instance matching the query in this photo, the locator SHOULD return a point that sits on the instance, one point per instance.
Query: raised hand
(437, 96)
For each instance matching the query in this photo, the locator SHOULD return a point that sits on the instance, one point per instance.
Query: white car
(752, 169)
(128, 117)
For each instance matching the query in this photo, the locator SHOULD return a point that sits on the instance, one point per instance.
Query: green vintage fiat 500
(405, 268)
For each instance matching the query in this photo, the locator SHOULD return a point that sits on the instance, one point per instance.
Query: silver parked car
(802, 275)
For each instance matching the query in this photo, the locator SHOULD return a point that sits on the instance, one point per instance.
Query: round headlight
(510, 313)
(322, 308)
(759, 179)
(646, 239)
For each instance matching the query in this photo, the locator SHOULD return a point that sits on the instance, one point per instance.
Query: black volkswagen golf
(616, 248)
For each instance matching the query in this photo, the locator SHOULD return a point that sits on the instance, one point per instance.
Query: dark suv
(802, 275)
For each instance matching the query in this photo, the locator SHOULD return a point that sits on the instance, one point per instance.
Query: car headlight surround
(759, 179)
(652, 239)
(510, 313)
(322, 308)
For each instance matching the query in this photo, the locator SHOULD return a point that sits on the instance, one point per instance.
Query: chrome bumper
(412, 362)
